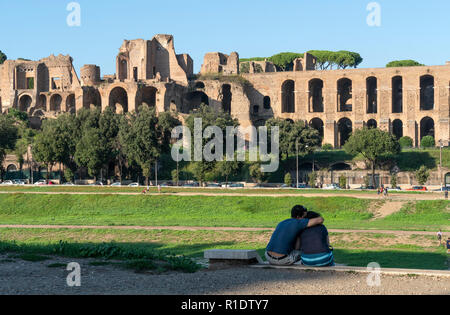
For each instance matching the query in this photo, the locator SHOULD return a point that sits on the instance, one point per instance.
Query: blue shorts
(318, 260)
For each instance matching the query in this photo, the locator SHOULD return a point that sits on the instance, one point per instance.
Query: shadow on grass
(181, 254)
(413, 160)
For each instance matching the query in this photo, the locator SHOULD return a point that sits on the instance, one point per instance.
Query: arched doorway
(118, 100)
(344, 92)
(371, 123)
(426, 127)
(426, 92)
(55, 103)
(91, 98)
(447, 180)
(315, 88)
(70, 104)
(397, 94)
(397, 128)
(344, 130)
(226, 98)
(288, 97)
(266, 102)
(317, 124)
(147, 95)
(193, 100)
(42, 103)
(25, 103)
(372, 101)
(11, 168)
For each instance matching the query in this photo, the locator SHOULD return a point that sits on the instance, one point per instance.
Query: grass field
(233, 211)
(415, 251)
(163, 246)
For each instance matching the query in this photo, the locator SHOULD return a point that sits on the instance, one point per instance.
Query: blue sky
(410, 29)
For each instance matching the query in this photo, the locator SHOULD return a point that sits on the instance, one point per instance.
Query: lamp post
(296, 147)
(440, 162)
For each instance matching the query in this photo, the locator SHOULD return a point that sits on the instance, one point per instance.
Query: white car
(133, 185)
(40, 182)
(331, 186)
(116, 184)
(8, 182)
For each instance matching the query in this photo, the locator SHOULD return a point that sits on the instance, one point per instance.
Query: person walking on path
(439, 237)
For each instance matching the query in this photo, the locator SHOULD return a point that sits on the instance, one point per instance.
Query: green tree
(43, 147)
(228, 168)
(256, 173)
(292, 133)
(422, 175)
(91, 151)
(327, 147)
(405, 142)
(343, 181)
(312, 178)
(285, 61)
(427, 142)
(288, 179)
(394, 180)
(3, 57)
(403, 63)
(373, 144)
(8, 136)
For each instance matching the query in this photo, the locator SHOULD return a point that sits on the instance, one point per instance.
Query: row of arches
(345, 96)
(345, 128)
(56, 103)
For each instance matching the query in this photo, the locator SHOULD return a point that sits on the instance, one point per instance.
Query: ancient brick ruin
(407, 101)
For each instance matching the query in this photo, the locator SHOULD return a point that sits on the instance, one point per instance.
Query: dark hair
(312, 215)
(298, 211)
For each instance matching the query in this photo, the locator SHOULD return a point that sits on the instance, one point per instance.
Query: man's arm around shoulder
(315, 221)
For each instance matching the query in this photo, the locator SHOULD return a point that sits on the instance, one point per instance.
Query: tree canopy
(3, 57)
(403, 63)
(373, 144)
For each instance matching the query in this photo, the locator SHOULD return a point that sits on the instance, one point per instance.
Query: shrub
(327, 147)
(394, 180)
(427, 142)
(405, 142)
(343, 181)
(422, 175)
(312, 178)
(288, 179)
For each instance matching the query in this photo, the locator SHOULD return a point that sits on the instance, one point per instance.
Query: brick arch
(288, 96)
(372, 95)
(56, 101)
(427, 92)
(345, 95)
(118, 99)
(315, 99)
(25, 102)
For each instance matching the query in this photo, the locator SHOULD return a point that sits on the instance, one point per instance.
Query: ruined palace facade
(406, 101)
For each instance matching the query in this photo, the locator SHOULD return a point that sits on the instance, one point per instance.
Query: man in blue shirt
(284, 245)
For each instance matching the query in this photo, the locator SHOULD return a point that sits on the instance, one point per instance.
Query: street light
(440, 162)
(296, 146)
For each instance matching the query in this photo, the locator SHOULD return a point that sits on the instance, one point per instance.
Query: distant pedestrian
(159, 189)
(448, 245)
(386, 192)
(439, 237)
(446, 194)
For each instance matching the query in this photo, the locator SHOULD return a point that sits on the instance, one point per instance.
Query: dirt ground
(23, 277)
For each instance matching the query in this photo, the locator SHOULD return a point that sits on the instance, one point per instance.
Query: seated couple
(303, 237)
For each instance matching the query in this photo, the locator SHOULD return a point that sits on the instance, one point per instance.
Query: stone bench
(222, 258)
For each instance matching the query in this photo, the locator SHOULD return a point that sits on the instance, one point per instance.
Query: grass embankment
(232, 211)
(136, 246)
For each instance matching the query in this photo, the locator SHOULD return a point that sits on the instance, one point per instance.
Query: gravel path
(22, 277)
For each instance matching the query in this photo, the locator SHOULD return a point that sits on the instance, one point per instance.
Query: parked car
(116, 184)
(286, 186)
(442, 189)
(133, 185)
(97, 184)
(302, 185)
(8, 182)
(417, 188)
(366, 188)
(237, 185)
(18, 182)
(396, 188)
(69, 184)
(41, 182)
(331, 186)
(213, 185)
(51, 183)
